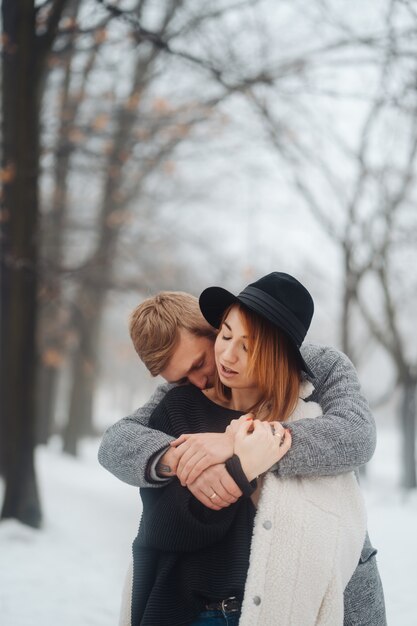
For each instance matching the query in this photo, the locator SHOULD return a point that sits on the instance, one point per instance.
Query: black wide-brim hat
(277, 297)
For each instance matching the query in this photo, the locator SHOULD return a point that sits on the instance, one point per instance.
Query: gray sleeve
(344, 437)
(128, 445)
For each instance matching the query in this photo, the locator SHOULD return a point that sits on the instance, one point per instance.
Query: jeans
(216, 618)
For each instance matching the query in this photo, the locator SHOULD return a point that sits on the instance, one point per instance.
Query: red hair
(272, 362)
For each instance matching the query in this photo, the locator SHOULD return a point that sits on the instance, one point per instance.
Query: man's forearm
(165, 465)
(339, 441)
(344, 437)
(129, 445)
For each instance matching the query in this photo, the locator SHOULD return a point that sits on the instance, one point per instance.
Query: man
(173, 340)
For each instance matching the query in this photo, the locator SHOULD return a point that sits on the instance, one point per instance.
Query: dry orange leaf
(51, 357)
(8, 173)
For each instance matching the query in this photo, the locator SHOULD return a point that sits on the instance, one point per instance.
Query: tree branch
(46, 40)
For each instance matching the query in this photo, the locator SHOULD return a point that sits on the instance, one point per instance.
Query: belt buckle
(225, 603)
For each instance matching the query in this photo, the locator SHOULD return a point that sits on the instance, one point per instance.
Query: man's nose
(198, 380)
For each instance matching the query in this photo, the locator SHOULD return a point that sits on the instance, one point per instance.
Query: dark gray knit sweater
(186, 555)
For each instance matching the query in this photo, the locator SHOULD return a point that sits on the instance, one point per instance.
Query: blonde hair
(154, 326)
(273, 363)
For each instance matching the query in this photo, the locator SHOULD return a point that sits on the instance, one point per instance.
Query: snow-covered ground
(71, 572)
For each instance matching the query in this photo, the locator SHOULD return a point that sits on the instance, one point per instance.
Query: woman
(193, 565)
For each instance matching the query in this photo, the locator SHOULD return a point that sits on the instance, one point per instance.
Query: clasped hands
(198, 460)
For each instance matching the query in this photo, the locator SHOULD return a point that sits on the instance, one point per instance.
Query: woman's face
(231, 352)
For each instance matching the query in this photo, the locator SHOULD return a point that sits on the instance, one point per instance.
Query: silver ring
(214, 495)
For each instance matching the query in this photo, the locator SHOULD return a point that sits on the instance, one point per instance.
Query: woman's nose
(230, 353)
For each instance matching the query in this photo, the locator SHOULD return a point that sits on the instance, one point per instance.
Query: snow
(71, 572)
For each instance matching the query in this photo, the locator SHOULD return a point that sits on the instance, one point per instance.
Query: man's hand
(215, 488)
(197, 452)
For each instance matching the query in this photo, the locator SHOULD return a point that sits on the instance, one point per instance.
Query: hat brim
(213, 303)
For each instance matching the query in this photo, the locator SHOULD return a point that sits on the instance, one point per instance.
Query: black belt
(229, 605)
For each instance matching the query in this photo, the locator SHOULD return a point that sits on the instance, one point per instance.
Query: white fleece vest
(307, 540)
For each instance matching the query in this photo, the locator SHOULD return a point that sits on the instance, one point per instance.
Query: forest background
(175, 144)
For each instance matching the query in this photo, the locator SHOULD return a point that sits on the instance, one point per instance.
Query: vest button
(256, 600)
(267, 524)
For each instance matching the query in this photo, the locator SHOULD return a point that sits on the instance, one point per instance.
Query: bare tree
(361, 209)
(395, 293)
(23, 67)
(160, 126)
(55, 318)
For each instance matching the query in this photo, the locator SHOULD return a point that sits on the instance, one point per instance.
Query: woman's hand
(215, 488)
(259, 445)
(199, 451)
(236, 424)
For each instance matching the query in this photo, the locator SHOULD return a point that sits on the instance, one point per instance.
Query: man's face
(192, 361)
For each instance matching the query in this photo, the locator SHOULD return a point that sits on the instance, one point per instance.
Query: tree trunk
(408, 429)
(347, 303)
(48, 377)
(90, 307)
(96, 280)
(90, 301)
(51, 331)
(19, 260)
(53, 340)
